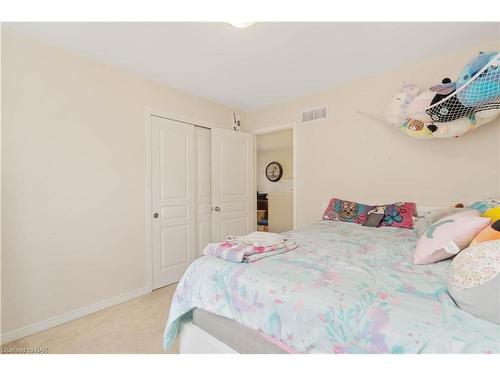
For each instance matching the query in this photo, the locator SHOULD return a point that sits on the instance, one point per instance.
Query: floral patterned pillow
(399, 215)
(350, 212)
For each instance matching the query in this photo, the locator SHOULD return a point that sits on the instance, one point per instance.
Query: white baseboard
(71, 315)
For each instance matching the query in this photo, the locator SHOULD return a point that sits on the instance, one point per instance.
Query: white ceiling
(260, 65)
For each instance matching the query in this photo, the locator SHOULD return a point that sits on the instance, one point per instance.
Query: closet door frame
(149, 112)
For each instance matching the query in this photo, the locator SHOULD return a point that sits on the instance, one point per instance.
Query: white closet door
(233, 187)
(173, 199)
(202, 143)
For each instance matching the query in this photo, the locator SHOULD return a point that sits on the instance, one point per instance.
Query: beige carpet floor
(135, 326)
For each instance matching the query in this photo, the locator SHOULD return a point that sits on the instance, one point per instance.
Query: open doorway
(275, 181)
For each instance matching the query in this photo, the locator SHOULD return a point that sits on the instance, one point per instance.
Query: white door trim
(272, 129)
(149, 209)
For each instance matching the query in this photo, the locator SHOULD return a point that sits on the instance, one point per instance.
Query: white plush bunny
(397, 109)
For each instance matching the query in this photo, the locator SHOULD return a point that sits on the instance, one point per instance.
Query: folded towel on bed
(258, 239)
(240, 252)
(259, 256)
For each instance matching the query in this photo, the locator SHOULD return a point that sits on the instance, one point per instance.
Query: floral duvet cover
(345, 289)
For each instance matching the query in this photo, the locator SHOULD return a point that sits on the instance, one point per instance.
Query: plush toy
(451, 129)
(419, 114)
(397, 109)
(445, 88)
(450, 109)
(474, 66)
(492, 213)
(456, 128)
(484, 116)
(490, 233)
(420, 125)
(416, 129)
(482, 89)
(416, 108)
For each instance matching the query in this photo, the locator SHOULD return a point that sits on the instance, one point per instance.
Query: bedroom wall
(354, 157)
(73, 181)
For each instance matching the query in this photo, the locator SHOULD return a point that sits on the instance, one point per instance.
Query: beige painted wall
(73, 178)
(275, 146)
(353, 157)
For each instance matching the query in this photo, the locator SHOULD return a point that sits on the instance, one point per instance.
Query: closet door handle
(217, 208)
(155, 215)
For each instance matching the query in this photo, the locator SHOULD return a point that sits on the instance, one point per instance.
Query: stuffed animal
(420, 125)
(486, 87)
(474, 66)
(445, 88)
(450, 109)
(484, 116)
(396, 111)
(451, 129)
(416, 129)
(416, 109)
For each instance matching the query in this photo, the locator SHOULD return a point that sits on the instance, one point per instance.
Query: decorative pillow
(448, 236)
(474, 281)
(492, 213)
(490, 233)
(485, 204)
(432, 216)
(351, 212)
(399, 215)
(373, 220)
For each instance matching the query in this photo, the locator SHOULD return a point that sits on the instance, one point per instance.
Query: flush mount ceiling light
(240, 24)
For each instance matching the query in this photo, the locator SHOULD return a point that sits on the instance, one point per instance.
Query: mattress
(346, 289)
(242, 339)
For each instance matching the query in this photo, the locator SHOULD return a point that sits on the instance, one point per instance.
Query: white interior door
(233, 187)
(202, 142)
(173, 199)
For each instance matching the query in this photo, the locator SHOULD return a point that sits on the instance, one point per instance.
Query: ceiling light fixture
(241, 25)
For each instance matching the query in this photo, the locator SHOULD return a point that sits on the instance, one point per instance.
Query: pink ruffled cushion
(454, 231)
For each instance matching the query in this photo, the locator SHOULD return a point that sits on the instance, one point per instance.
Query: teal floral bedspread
(345, 289)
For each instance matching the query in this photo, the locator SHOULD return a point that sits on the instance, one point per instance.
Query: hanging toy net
(451, 109)
(478, 94)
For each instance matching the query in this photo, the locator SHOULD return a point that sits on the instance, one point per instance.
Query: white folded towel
(259, 239)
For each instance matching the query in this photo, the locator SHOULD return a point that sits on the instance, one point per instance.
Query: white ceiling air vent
(314, 114)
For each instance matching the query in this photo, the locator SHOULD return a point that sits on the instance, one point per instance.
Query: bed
(346, 289)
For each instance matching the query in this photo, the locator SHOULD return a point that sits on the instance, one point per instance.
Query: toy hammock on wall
(450, 109)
